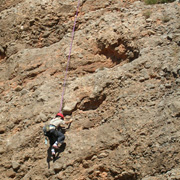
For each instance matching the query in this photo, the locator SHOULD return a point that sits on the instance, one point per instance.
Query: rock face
(122, 90)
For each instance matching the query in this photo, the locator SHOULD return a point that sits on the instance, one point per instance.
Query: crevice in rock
(32, 75)
(89, 157)
(2, 52)
(114, 146)
(119, 51)
(34, 67)
(2, 56)
(91, 103)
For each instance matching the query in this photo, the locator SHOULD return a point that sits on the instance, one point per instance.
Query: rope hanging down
(64, 84)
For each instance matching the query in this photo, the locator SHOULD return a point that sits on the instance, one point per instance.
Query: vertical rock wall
(122, 89)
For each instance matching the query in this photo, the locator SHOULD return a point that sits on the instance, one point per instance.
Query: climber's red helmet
(60, 115)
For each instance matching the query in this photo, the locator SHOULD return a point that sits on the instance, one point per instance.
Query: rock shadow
(91, 103)
(59, 151)
(120, 51)
(57, 155)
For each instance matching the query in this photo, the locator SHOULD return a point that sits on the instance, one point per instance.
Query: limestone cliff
(122, 91)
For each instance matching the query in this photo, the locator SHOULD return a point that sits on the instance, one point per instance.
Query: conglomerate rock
(122, 89)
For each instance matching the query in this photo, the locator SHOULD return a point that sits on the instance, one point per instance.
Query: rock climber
(55, 135)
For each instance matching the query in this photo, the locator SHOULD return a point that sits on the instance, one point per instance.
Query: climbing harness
(47, 128)
(68, 61)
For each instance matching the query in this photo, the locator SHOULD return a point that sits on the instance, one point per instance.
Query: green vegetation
(158, 1)
(147, 14)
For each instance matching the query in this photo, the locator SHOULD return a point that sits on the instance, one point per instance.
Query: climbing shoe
(55, 146)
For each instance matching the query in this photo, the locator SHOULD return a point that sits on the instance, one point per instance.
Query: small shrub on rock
(147, 14)
(158, 1)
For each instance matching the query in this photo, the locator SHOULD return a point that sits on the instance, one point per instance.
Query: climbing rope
(68, 61)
